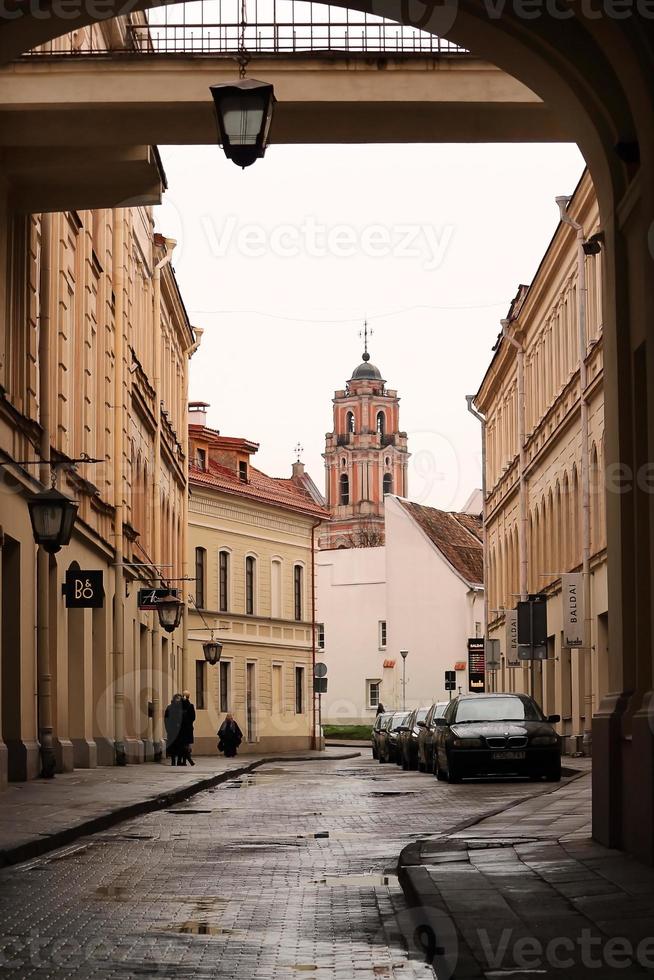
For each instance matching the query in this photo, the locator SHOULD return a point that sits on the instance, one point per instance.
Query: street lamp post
(404, 654)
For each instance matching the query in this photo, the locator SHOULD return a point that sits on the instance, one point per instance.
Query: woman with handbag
(230, 737)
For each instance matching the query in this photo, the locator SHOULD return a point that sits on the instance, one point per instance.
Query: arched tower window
(388, 483)
(349, 422)
(345, 488)
(381, 423)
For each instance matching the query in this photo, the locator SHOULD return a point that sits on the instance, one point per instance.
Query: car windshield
(421, 715)
(439, 710)
(398, 720)
(496, 709)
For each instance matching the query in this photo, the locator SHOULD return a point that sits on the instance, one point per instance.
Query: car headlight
(466, 743)
(544, 740)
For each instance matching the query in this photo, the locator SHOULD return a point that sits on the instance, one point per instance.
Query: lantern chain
(243, 57)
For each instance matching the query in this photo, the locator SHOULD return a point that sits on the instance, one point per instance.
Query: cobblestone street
(281, 872)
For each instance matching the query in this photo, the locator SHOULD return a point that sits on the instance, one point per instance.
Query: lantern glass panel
(243, 118)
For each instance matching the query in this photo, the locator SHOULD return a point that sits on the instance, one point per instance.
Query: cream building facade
(252, 541)
(94, 350)
(542, 330)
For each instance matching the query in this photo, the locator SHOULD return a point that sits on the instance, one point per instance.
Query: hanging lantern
(53, 516)
(244, 110)
(212, 651)
(169, 610)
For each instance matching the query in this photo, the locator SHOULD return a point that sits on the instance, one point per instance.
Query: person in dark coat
(173, 718)
(186, 733)
(380, 709)
(230, 737)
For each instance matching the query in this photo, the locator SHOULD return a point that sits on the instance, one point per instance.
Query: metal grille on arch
(212, 27)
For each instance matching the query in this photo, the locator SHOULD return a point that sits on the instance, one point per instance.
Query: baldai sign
(511, 623)
(572, 598)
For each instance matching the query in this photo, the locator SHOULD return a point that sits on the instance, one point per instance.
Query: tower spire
(365, 333)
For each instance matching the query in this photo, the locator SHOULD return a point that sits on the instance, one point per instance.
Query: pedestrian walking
(186, 733)
(230, 737)
(173, 718)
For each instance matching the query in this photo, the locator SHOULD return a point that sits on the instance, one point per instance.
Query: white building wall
(431, 611)
(351, 601)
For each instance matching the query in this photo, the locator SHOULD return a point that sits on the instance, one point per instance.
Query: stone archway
(595, 71)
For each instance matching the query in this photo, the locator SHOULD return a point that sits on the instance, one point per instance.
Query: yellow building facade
(546, 478)
(252, 542)
(95, 343)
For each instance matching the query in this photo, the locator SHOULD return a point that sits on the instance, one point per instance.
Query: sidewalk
(41, 815)
(527, 892)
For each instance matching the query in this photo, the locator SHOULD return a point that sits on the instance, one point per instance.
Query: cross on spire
(298, 450)
(365, 333)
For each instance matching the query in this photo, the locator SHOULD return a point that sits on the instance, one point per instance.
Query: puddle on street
(117, 892)
(200, 927)
(358, 881)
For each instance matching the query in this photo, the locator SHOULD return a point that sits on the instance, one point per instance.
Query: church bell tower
(365, 458)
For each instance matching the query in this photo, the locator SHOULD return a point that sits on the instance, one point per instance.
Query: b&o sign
(84, 589)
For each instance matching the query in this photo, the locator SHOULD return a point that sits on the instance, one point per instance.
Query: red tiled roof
(457, 537)
(267, 489)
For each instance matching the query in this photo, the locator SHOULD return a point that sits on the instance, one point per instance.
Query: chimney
(197, 413)
(298, 470)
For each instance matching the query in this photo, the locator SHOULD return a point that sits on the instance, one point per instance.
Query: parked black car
(426, 736)
(407, 753)
(380, 721)
(496, 734)
(388, 736)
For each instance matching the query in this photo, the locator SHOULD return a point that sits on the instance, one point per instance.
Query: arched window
(223, 581)
(388, 483)
(250, 569)
(200, 577)
(297, 590)
(381, 423)
(345, 488)
(349, 422)
(276, 588)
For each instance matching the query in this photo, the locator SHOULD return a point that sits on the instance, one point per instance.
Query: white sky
(281, 291)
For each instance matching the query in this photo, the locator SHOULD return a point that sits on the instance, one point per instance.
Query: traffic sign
(450, 680)
(320, 685)
(320, 670)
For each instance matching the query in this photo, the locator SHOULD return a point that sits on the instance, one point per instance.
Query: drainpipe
(585, 470)
(157, 665)
(482, 419)
(315, 741)
(188, 354)
(118, 421)
(522, 466)
(44, 675)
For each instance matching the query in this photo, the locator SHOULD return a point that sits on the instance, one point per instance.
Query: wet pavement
(285, 871)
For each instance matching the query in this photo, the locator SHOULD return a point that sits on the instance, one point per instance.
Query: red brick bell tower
(365, 458)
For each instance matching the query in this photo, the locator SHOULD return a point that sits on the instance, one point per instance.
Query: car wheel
(440, 775)
(452, 773)
(554, 776)
(374, 754)
(421, 766)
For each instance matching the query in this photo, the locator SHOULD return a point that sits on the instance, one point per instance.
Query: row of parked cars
(472, 735)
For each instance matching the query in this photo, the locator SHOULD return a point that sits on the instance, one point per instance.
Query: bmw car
(496, 735)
